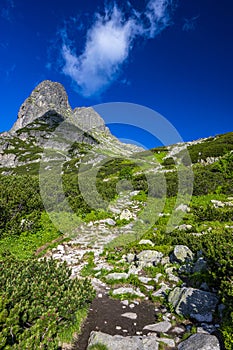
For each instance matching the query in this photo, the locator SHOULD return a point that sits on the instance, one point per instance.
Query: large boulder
(118, 342)
(195, 303)
(149, 258)
(200, 342)
(182, 254)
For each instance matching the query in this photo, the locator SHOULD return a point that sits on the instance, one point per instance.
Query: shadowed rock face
(200, 342)
(46, 96)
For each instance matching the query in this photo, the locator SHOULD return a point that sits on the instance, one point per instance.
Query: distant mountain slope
(46, 120)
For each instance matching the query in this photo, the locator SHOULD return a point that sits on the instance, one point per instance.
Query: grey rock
(161, 327)
(217, 204)
(130, 258)
(128, 290)
(130, 315)
(195, 303)
(88, 120)
(117, 276)
(157, 277)
(167, 341)
(206, 328)
(173, 278)
(109, 221)
(165, 260)
(205, 286)
(146, 241)
(182, 254)
(149, 257)
(133, 270)
(178, 330)
(200, 265)
(144, 280)
(126, 215)
(187, 268)
(200, 342)
(184, 208)
(184, 227)
(118, 342)
(161, 292)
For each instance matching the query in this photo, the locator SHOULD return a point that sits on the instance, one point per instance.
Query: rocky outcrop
(149, 258)
(88, 120)
(200, 342)
(197, 304)
(46, 96)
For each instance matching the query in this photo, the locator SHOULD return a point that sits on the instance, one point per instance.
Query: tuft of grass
(97, 346)
(67, 335)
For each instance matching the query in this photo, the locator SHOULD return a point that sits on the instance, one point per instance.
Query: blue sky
(173, 56)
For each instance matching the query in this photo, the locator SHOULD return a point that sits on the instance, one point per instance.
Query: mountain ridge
(46, 111)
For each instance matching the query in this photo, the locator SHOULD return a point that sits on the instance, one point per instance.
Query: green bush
(38, 302)
(20, 204)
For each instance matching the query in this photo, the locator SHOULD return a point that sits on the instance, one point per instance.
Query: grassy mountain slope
(44, 168)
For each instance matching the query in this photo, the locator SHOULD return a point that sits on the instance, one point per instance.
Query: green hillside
(25, 227)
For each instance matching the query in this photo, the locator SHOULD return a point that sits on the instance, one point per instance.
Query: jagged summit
(48, 95)
(46, 121)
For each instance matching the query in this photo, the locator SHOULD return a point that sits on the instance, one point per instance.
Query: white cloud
(157, 12)
(108, 45)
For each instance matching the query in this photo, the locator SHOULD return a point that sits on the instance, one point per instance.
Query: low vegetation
(39, 303)
(40, 306)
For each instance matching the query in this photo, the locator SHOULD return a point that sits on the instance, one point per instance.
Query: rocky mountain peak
(88, 119)
(46, 96)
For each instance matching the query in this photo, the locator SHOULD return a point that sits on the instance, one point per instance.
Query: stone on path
(118, 342)
(130, 315)
(128, 290)
(161, 327)
(200, 342)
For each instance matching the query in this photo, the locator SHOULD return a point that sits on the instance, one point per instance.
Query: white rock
(130, 315)
(184, 208)
(117, 276)
(161, 327)
(146, 241)
(126, 215)
(125, 290)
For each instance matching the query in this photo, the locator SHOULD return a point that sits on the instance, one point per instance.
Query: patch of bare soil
(105, 316)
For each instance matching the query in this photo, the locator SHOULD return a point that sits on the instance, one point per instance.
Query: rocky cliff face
(46, 96)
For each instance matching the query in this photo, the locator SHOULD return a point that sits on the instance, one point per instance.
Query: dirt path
(105, 315)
